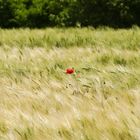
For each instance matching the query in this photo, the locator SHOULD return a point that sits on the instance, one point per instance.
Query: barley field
(99, 101)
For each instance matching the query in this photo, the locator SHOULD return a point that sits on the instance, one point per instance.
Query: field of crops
(99, 101)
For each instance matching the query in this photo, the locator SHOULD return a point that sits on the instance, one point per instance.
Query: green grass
(38, 101)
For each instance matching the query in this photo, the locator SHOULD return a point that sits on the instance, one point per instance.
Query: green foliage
(40, 13)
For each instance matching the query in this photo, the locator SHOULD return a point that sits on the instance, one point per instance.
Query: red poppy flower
(69, 70)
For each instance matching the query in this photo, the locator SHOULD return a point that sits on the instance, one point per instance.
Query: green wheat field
(100, 101)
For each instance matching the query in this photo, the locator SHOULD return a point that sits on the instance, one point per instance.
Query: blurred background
(67, 13)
